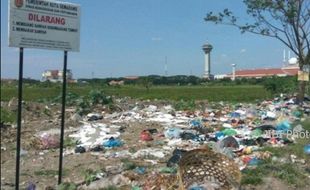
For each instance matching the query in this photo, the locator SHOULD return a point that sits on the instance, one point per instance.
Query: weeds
(98, 97)
(69, 142)
(128, 165)
(90, 176)
(185, 105)
(67, 186)
(8, 116)
(82, 106)
(50, 173)
(47, 112)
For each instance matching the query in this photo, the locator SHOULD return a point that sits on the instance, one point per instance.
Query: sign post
(19, 115)
(63, 109)
(43, 24)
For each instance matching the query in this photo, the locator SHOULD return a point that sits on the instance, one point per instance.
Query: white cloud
(242, 50)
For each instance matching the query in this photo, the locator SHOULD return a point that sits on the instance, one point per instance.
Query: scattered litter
(283, 126)
(173, 133)
(307, 149)
(97, 148)
(80, 149)
(94, 116)
(48, 141)
(140, 170)
(153, 152)
(229, 132)
(206, 148)
(188, 136)
(176, 157)
(146, 136)
(229, 142)
(91, 135)
(169, 170)
(112, 142)
(256, 133)
(254, 162)
(23, 152)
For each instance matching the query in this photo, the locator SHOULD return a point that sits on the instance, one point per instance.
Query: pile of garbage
(237, 131)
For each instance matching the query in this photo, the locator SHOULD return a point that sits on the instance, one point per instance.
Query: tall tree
(284, 20)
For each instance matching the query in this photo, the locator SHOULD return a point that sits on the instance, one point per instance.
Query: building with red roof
(267, 72)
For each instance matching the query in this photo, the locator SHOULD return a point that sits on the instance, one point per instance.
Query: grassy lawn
(213, 93)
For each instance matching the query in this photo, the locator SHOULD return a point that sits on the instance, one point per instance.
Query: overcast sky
(132, 37)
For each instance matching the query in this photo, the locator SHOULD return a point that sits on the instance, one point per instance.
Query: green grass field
(213, 93)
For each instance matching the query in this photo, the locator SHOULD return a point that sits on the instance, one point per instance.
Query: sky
(133, 37)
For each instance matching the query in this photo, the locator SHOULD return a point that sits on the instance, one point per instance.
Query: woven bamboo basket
(204, 167)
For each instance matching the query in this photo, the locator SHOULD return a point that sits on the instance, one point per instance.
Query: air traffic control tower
(207, 50)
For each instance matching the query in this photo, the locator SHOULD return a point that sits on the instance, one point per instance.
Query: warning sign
(44, 24)
(303, 76)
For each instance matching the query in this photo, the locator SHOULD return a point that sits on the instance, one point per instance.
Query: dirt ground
(41, 166)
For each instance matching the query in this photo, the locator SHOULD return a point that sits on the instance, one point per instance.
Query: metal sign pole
(19, 115)
(64, 86)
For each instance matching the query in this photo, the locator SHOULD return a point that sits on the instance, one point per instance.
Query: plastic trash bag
(112, 142)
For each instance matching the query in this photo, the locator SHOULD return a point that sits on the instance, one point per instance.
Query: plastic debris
(173, 133)
(195, 123)
(169, 170)
(23, 152)
(283, 126)
(256, 133)
(270, 115)
(150, 152)
(247, 150)
(91, 135)
(152, 131)
(307, 149)
(232, 133)
(266, 127)
(188, 136)
(79, 149)
(112, 142)
(97, 148)
(176, 157)
(229, 142)
(219, 135)
(235, 115)
(229, 132)
(135, 188)
(140, 170)
(297, 113)
(48, 141)
(197, 188)
(254, 161)
(146, 136)
(31, 186)
(94, 116)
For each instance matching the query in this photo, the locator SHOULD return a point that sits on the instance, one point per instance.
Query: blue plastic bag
(307, 149)
(195, 123)
(284, 126)
(173, 133)
(112, 142)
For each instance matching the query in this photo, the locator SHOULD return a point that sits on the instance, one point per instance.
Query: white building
(56, 76)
